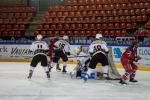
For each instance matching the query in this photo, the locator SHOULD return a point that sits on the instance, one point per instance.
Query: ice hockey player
(62, 49)
(127, 60)
(82, 60)
(98, 51)
(40, 48)
(52, 52)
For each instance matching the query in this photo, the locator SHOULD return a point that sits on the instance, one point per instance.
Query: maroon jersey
(130, 54)
(51, 44)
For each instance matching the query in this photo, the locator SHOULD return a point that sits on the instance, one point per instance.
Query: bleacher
(88, 17)
(15, 18)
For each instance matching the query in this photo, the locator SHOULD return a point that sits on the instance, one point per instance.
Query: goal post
(113, 72)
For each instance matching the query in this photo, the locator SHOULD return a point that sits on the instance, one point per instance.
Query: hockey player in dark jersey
(40, 48)
(62, 49)
(52, 52)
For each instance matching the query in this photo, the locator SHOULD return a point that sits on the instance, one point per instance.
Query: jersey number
(39, 46)
(61, 45)
(97, 48)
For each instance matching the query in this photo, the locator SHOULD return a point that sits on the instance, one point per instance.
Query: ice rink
(14, 85)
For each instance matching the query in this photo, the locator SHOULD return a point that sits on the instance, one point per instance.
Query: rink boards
(21, 53)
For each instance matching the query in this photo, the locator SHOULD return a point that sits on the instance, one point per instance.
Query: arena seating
(88, 17)
(14, 21)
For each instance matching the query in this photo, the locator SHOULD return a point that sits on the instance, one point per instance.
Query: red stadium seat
(87, 7)
(72, 26)
(123, 33)
(59, 14)
(46, 27)
(62, 33)
(65, 13)
(85, 1)
(68, 19)
(102, 13)
(22, 27)
(123, 25)
(59, 27)
(62, 19)
(92, 19)
(99, 7)
(81, 7)
(108, 13)
(111, 7)
(66, 27)
(56, 20)
(69, 8)
(92, 26)
(74, 19)
(96, 13)
(112, 33)
(75, 2)
(49, 33)
(91, 1)
(75, 7)
(117, 33)
(82, 33)
(71, 13)
(79, 26)
(105, 7)
(90, 13)
(117, 26)
(98, 26)
(93, 7)
(43, 33)
(52, 26)
(78, 13)
(110, 26)
(86, 19)
(85, 26)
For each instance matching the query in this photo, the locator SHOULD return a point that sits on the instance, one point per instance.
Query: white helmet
(39, 37)
(65, 37)
(98, 36)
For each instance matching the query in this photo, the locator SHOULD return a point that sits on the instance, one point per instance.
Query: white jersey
(98, 46)
(63, 45)
(39, 47)
(82, 58)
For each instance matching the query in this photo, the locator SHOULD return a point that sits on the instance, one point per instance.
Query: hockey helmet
(98, 36)
(65, 37)
(39, 37)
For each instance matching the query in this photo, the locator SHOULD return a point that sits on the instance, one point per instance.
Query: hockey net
(113, 72)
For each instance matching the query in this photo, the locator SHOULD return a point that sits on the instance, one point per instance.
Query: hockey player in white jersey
(98, 50)
(40, 48)
(62, 49)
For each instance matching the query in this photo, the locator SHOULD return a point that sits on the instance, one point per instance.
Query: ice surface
(14, 85)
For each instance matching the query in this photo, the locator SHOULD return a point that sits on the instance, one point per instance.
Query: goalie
(127, 59)
(82, 61)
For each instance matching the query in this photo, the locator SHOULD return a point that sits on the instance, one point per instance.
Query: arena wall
(21, 53)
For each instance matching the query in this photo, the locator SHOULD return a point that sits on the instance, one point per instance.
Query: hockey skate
(122, 82)
(48, 75)
(64, 69)
(133, 80)
(86, 78)
(30, 74)
(58, 68)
